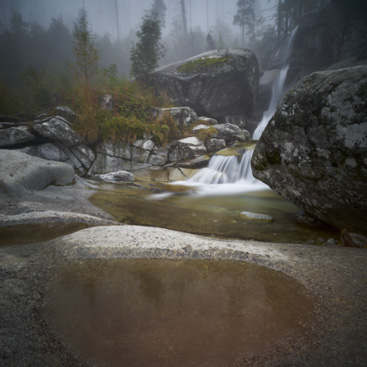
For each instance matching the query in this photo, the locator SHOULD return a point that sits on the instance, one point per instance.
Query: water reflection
(35, 232)
(173, 313)
(210, 215)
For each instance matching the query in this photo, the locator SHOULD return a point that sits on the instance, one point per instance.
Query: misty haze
(183, 183)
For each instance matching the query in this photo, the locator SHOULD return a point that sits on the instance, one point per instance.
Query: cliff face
(331, 38)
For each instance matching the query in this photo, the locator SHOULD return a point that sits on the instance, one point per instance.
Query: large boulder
(15, 136)
(186, 149)
(57, 129)
(117, 156)
(314, 150)
(64, 139)
(218, 84)
(21, 173)
(111, 157)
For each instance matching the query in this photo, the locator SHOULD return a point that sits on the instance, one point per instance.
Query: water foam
(233, 175)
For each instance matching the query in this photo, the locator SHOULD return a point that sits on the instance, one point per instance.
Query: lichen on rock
(313, 151)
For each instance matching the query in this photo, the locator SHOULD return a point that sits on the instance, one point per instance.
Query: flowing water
(223, 170)
(217, 215)
(140, 312)
(216, 196)
(225, 175)
(278, 88)
(236, 174)
(155, 312)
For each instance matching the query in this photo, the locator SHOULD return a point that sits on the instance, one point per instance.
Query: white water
(277, 90)
(225, 176)
(229, 175)
(223, 170)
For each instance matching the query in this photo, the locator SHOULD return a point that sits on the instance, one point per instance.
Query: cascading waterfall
(224, 170)
(278, 88)
(234, 171)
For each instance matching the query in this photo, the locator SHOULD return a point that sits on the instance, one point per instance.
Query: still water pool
(34, 232)
(150, 312)
(218, 215)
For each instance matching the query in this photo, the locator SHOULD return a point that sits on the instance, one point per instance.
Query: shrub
(206, 134)
(7, 101)
(166, 129)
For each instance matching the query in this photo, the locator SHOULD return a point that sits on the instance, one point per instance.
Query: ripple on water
(150, 312)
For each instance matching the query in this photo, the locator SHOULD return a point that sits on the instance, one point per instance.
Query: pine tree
(246, 19)
(148, 50)
(85, 52)
(159, 7)
(290, 13)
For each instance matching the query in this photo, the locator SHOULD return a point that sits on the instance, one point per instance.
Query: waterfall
(233, 174)
(224, 170)
(226, 176)
(278, 88)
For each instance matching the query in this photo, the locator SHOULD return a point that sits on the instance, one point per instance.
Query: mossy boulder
(313, 152)
(218, 84)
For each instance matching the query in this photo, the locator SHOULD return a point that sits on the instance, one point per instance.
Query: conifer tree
(159, 7)
(85, 53)
(246, 19)
(146, 53)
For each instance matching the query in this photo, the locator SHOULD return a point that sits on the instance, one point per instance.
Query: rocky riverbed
(335, 276)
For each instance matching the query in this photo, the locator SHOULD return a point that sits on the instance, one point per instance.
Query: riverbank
(335, 276)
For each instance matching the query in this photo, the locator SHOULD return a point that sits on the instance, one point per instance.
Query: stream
(211, 215)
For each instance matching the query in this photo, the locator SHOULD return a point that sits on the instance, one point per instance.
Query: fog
(102, 14)
(39, 51)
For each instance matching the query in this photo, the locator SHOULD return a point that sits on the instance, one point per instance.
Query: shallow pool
(150, 312)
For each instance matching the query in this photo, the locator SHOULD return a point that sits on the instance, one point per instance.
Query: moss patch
(203, 64)
(235, 150)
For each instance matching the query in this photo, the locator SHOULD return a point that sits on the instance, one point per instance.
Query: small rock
(208, 120)
(66, 113)
(200, 127)
(117, 176)
(256, 217)
(106, 103)
(196, 163)
(214, 145)
(359, 240)
(183, 116)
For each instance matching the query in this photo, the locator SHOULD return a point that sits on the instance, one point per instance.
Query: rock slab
(314, 151)
(21, 173)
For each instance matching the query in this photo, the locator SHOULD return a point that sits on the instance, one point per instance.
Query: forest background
(41, 64)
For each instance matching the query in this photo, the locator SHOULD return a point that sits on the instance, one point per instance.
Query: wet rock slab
(335, 276)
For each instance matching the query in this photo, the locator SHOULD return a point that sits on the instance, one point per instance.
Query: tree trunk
(184, 20)
(117, 20)
(279, 20)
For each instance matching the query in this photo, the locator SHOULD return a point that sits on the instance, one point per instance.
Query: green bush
(206, 134)
(7, 100)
